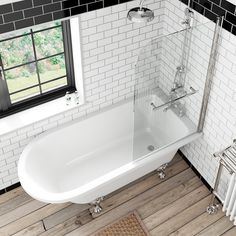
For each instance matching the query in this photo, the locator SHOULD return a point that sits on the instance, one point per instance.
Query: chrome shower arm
(141, 4)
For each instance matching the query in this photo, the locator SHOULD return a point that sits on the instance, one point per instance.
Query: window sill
(38, 113)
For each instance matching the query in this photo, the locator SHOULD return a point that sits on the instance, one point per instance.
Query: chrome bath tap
(178, 108)
(68, 98)
(72, 97)
(76, 98)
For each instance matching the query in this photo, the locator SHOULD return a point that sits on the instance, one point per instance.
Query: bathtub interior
(83, 151)
(159, 128)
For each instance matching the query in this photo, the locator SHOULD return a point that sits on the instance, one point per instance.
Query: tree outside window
(35, 63)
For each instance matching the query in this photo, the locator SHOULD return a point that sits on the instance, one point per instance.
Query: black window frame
(54, 93)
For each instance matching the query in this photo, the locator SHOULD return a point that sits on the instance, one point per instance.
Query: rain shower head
(140, 14)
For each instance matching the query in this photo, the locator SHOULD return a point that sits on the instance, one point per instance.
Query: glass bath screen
(170, 76)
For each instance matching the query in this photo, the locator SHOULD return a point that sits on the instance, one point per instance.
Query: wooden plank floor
(173, 206)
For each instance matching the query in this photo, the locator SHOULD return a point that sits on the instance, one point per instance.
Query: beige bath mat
(129, 225)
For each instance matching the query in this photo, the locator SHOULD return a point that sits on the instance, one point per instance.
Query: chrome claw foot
(161, 171)
(212, 209)
(161, 174)
(97, 209)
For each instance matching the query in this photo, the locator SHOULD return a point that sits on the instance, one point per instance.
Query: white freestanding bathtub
(87, 159)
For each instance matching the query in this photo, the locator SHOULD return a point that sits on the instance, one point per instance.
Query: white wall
(232, 1)
(2, 2)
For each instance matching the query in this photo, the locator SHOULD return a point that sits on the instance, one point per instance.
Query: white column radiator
(229, 205)
(228, 161)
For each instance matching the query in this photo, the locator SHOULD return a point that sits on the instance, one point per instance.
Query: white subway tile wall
(110, 47)
(220, 124)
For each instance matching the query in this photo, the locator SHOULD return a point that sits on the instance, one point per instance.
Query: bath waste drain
(150, 148)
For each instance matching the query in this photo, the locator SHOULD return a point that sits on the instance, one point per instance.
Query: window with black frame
(35, 66)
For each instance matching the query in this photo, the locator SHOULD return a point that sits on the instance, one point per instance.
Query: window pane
(25, 94)
(54, 84)
(16, 51)
(48, 42)
(52, 68)
(33, 63)
(21, 77)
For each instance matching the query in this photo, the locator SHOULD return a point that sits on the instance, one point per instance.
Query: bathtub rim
(41, 194)
(79, 119)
